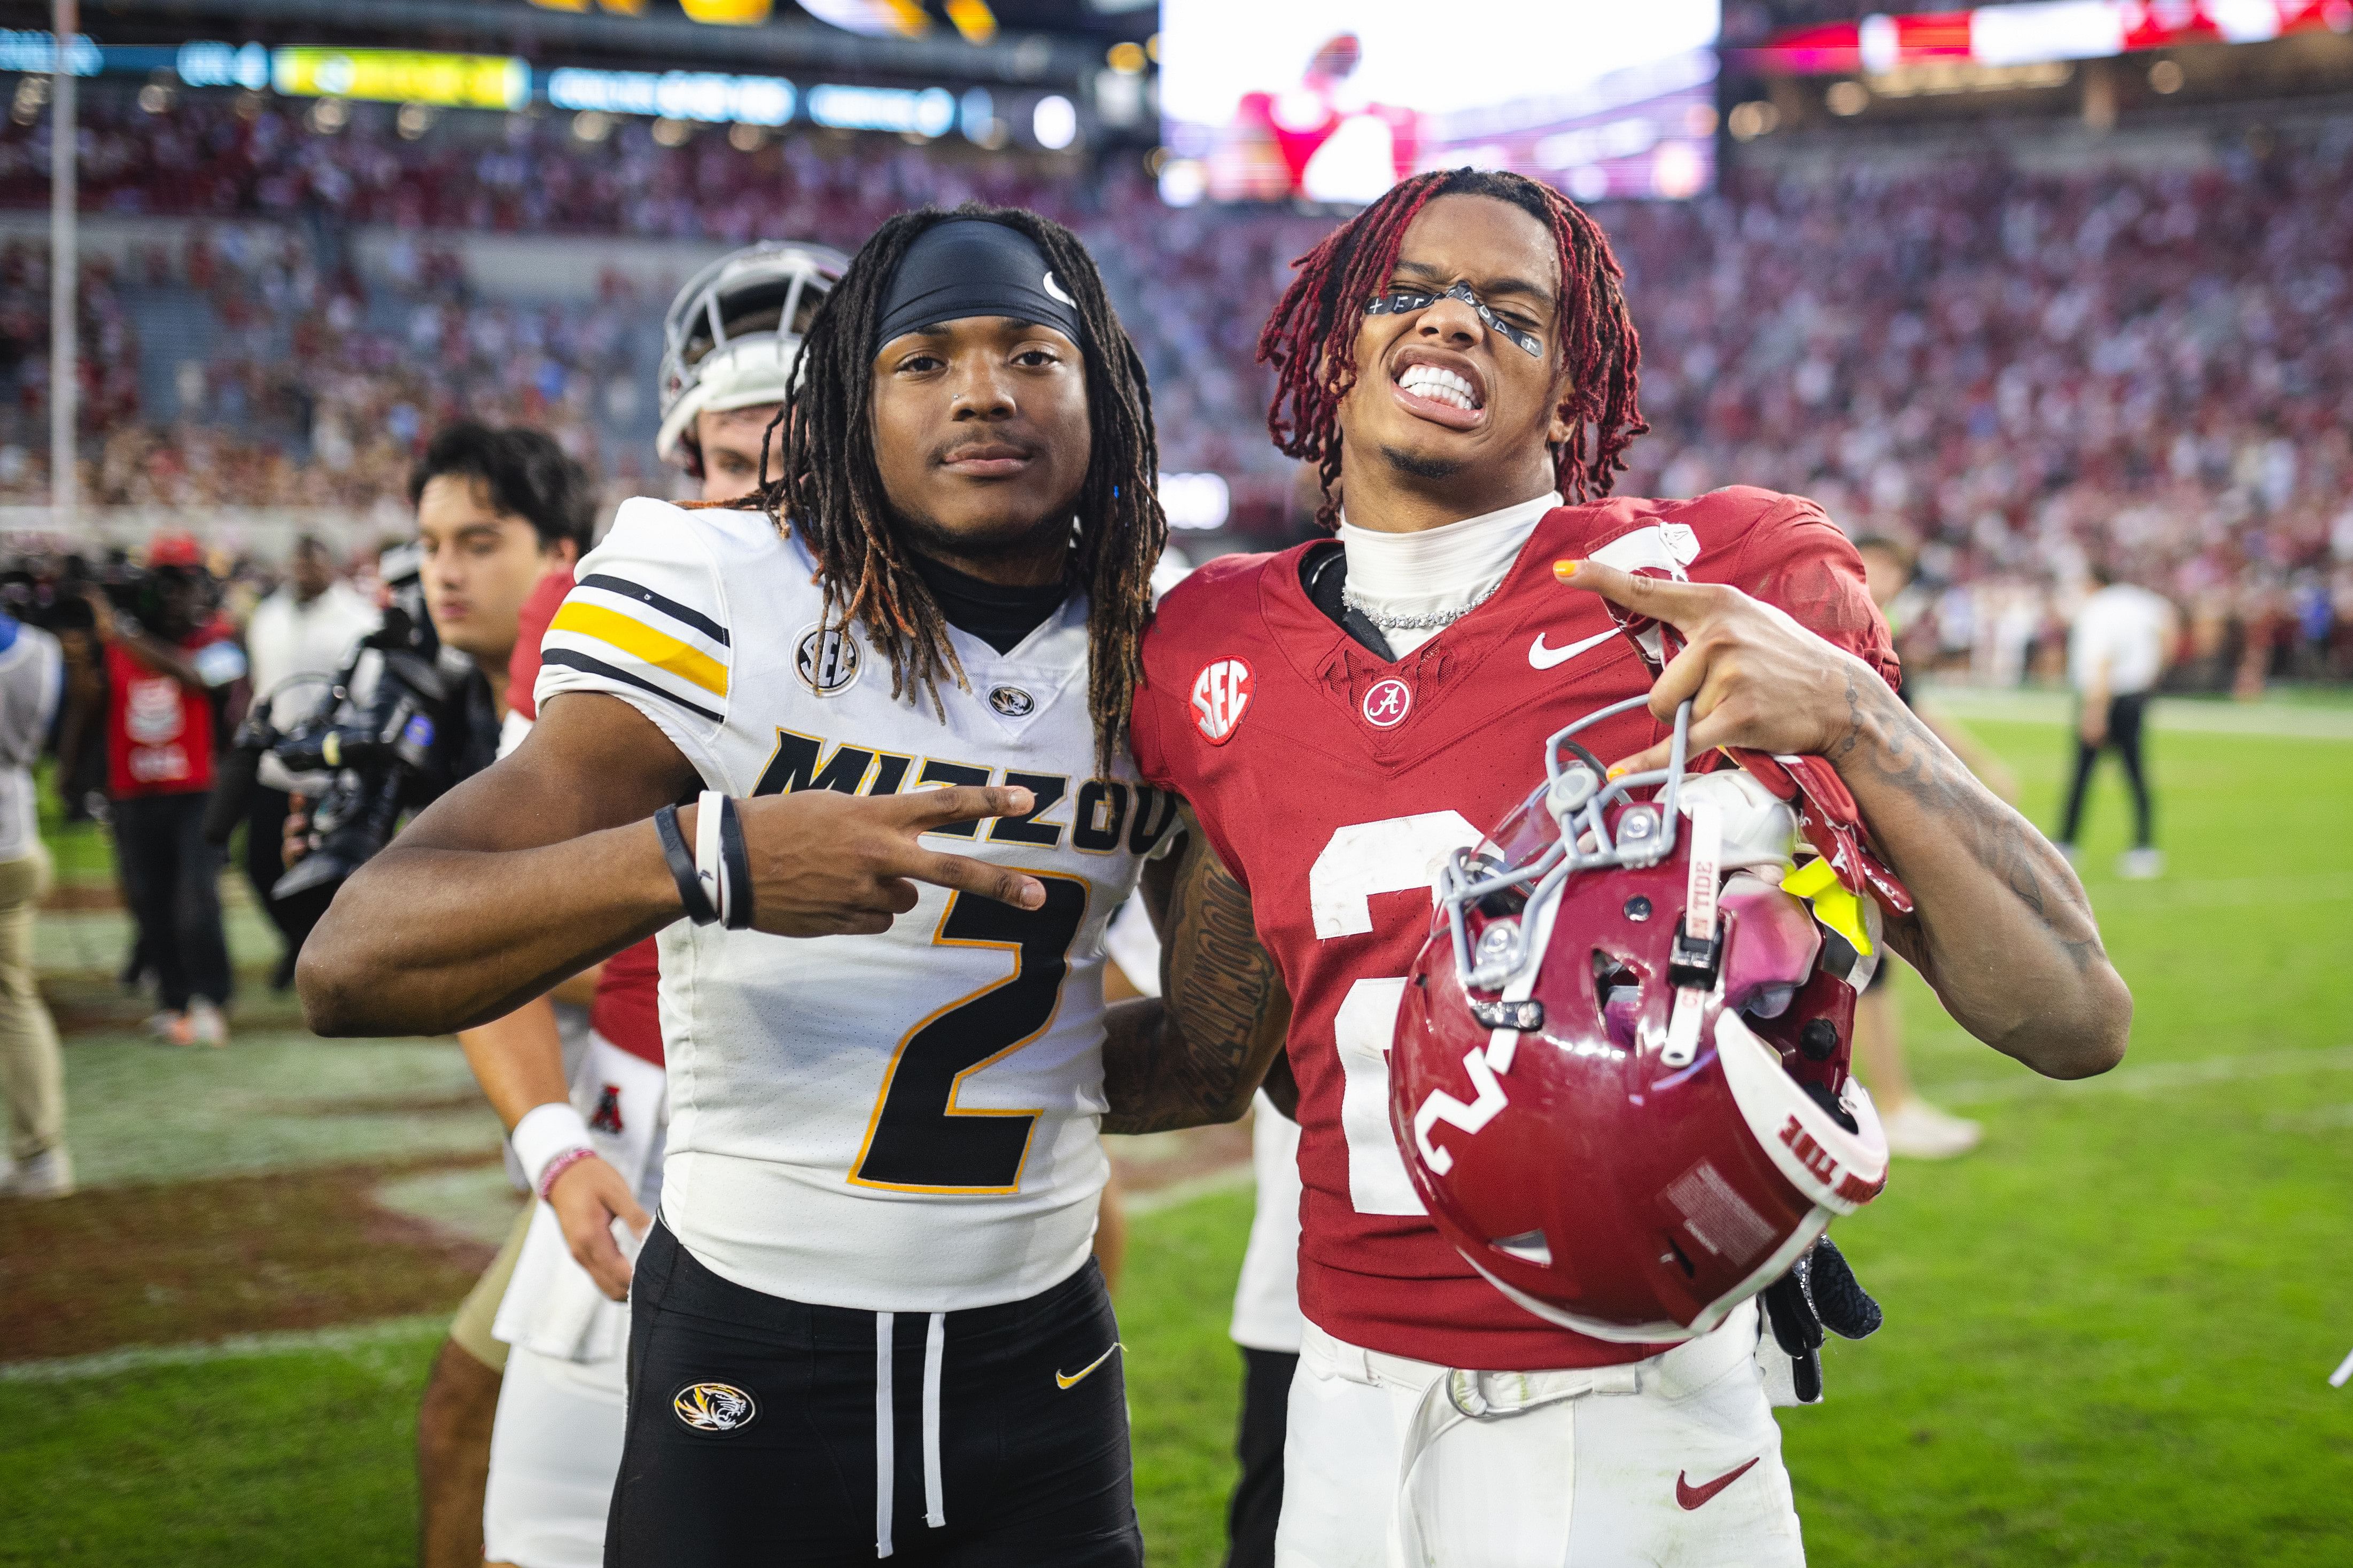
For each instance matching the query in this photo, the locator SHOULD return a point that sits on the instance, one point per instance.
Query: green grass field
(2109, 1331)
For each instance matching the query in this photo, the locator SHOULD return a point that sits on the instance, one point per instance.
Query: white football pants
(1393, 1463)
(555, 1452)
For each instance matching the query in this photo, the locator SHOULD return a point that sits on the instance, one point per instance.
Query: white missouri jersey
(903, 1123)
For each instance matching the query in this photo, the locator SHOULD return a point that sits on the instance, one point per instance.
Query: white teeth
(1438, 385)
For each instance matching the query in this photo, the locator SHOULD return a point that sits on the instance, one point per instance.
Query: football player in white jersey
(880, 711)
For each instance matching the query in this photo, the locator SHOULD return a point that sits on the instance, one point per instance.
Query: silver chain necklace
(1428, 620)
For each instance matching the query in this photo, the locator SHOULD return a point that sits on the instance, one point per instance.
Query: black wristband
(682, 867)
(737, 861)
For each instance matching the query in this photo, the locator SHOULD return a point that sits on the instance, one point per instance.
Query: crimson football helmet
(1620, 1075)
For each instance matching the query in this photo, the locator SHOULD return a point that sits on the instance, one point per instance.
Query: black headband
(972, 267)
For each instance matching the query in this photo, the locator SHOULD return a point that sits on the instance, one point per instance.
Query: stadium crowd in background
(2018, 373)
(2029, 383)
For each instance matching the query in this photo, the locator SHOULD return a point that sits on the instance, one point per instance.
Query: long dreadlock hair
(1311, 339)
(830, 488)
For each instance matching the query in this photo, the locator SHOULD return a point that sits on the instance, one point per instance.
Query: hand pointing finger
(1682, 605)
(1755, 678)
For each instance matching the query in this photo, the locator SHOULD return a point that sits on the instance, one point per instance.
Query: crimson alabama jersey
(1332, 784)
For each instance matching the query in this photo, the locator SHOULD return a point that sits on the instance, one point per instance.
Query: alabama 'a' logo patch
(714, 1407)
(1387, 703)
(607, 1117)
(1221, 695)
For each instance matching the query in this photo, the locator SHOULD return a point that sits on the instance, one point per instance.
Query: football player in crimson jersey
(1461, 364)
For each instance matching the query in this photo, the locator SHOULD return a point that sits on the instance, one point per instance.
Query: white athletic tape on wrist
(708, 864)
(545, 1132)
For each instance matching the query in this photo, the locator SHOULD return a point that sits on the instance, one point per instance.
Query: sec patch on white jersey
(903, 1123)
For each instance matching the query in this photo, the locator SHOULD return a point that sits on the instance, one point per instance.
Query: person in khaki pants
(32, 1080)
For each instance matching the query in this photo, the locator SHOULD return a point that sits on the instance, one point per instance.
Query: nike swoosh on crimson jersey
(1689, 1496)
(1544, 658)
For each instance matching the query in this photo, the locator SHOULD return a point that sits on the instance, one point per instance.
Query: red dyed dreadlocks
(1311, 339)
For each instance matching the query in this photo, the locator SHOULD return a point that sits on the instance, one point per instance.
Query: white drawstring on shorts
(935, 1339)
(935, 1346)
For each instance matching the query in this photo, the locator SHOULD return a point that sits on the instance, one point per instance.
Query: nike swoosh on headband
(1054, 287)
(1544, 658)
(1073, 1379)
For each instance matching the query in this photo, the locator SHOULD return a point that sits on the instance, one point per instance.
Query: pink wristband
(557, 1166)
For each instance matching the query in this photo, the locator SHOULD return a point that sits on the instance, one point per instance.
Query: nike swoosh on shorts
(1073, 1379)
(1543, 657)
(1689, 1496)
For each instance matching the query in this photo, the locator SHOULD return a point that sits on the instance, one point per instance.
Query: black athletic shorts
(757, 1430)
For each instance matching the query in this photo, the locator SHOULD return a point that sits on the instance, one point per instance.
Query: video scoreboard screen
(1335, 100)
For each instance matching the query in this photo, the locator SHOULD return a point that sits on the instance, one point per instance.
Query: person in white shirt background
(2119, 647)
(32, 1079)
(306, 629)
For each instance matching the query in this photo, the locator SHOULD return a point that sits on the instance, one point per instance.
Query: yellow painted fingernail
(1617, 773)
(1565, 569)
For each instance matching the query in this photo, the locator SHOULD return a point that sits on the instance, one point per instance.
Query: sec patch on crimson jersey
(1221, 695)
(714, 1407)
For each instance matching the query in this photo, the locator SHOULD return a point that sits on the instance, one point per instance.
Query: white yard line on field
(2157, 1078)
(2216, 892)
(2285, 720)
(236, 1347)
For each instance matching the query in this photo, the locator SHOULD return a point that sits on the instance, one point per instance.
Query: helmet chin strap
(1698, 956)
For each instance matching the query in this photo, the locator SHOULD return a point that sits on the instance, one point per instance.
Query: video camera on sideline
(375, 737)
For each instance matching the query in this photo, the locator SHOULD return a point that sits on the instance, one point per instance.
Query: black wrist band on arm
(682, 867)
(738, 862)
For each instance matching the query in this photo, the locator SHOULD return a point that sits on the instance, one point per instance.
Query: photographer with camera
(497, 510)
(297, 638)
(166, 667)
(501, 516)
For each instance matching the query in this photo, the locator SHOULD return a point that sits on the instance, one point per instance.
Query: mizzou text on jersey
(901, 1122)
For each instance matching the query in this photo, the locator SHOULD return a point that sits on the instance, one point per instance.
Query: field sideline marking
(2157, 1077)
(236, 1347)
(2184, 715)
(2314, 887)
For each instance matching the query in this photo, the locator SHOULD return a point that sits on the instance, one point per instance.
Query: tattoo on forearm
(1912, 760)
(1853, 736)
(1222, 999)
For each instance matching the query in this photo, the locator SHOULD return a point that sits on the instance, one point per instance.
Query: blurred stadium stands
(2133, 346)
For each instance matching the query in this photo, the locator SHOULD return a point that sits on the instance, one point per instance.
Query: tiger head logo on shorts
(715, 1406)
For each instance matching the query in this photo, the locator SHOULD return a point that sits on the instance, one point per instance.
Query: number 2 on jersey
(1360, 861)
(920, 1140)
